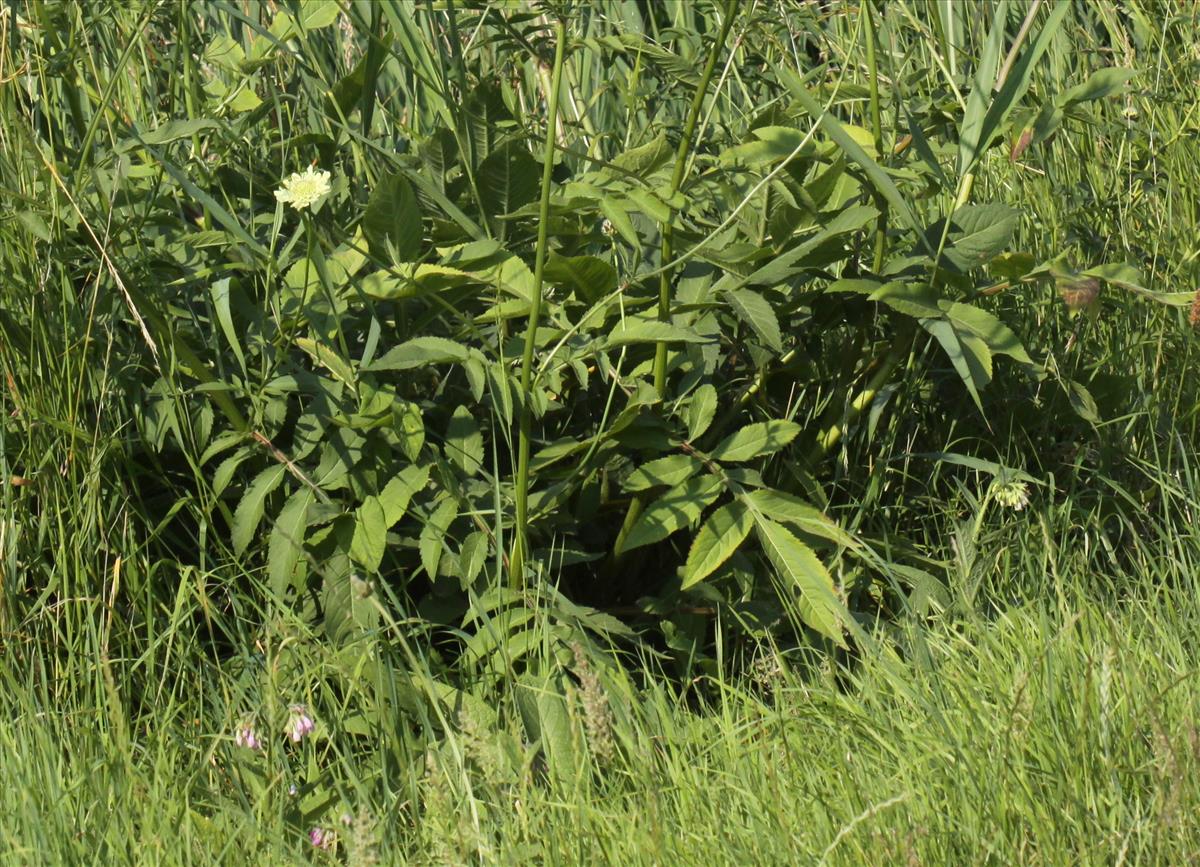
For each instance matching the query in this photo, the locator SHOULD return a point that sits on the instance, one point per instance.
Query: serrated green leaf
(701, 410)
(756, 311)
(669, 471)
(433, 535)
(719, 536)
(398, 492)
(464, 442)
(756, 440)
(508, 178)
(674, 511)
(250, 510)
(999, 337)
(328, 359)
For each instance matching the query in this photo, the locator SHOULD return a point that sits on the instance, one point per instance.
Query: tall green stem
(681, 156)
(517, 563)
(877, 135)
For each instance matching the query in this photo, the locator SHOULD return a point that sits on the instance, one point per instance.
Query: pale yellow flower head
(304, 189)
(1012, 495)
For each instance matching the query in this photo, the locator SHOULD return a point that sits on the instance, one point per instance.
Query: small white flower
(304, 189)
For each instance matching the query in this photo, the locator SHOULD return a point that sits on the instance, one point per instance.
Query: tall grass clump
(598, 432)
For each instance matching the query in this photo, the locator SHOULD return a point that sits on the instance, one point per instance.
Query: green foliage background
(637, 338)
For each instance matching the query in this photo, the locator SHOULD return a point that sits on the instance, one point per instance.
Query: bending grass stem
(517, 562)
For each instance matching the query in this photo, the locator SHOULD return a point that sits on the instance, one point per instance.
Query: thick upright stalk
(681, 158)
(520, 541)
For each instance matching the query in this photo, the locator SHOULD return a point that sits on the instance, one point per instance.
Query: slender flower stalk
(517, 562)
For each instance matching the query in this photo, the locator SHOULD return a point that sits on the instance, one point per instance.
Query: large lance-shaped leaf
(787, 509)
(421, 351)
(969, 355)
(719, 536)
(392, 220)
(674, 511)
(287, 540)
(798, 566)
(651, 331)
(250, 510)
(756, 440)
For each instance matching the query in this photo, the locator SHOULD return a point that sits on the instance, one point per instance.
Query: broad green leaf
(798, 566)
(508, 178)
(172, 130)
(419, 352)
(558, 742)
(250, 510)
(592, 278)
(433, 535)
(392, 220)
(473, 556)
(719, 536)
(669, 471)
(771, 144)
(999, 338)
(1129, 277)
(286, 543)
(1102, 83)
(755, 440)
(412, 281)
(674, 511)
(790, 262)
(651, 331)
(978, 233)
(701, 410)
(464, 442)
